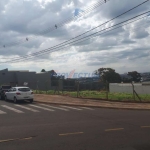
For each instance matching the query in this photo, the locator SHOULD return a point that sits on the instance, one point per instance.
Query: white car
(19, 93)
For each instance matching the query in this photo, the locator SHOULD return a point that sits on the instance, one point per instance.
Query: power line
(13, 61)
(86, 39)
(62, 44)
(92, 37)
(56, 26)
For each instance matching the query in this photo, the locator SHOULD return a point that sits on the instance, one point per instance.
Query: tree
(108, 75)
(52, 72)
(136, 77)
(43, 70)
(125, 78)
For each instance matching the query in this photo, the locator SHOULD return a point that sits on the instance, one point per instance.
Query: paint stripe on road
(13, 109)
(9, 140)
(65, 134)
(54, 107)
(117, 129)
(27, 108)
(88, 108)
(42, 107)
(2, 112)
(71, 107)
(145, 126)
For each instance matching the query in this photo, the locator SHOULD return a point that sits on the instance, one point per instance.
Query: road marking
(117, 129)
(28, 138)
(42, 108)
(87, 108)
(8, 140)
(27, 108)
(55, 107)
(145, 126)
(2, 112)
(65, 134)
(13, 109)
(71, 107)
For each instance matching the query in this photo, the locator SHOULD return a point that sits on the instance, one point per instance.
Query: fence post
(135, 93)
(57, 87)
(133, 90)
(78, 89)
(37, 86)
(106, 89)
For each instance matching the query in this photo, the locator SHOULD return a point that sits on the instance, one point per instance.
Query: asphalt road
(39, 127)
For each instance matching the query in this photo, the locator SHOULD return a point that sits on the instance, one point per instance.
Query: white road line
(2, 112)
(55, 107)
(13, 109)
(71, 107)
(27, 108)
(87, 108)
(42, 108)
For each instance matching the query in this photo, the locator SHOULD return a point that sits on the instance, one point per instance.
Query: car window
(11, 89)
(14, 89)
(24, 89)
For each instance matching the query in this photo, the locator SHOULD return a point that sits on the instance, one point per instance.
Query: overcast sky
(125, 49)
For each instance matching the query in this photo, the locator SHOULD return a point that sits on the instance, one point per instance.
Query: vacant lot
(99, 95)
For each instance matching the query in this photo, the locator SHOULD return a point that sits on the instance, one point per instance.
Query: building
(45, 80)
(18, 78)
(36, 81)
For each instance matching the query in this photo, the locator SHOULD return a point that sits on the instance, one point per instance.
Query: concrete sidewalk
(64, 100)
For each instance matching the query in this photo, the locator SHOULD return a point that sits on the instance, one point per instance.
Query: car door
(13, 93)
(9, 94)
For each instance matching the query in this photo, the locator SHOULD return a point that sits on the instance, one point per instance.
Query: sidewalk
(64, 100)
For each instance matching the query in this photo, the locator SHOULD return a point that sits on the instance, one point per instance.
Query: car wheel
(31, 100)
(15, 100)
(0, 97)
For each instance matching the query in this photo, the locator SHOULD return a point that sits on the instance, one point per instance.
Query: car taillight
(31, 92)
(18, 93)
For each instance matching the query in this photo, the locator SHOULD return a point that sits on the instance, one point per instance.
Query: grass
(99, 95)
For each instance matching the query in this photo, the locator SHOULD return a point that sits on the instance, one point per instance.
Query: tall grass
(98, 95)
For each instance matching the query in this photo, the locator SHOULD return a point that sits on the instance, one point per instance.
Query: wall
(127, 88)
(14, 78)
(28, 77)
(7, 78)
(43, 81)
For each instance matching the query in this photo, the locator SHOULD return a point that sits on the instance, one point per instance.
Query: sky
(30, 26)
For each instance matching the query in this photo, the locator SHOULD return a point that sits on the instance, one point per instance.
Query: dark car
(3, 89)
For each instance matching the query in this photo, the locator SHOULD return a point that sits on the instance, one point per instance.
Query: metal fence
(98, 90)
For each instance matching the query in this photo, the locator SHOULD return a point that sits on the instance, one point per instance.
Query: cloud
(123, 49)
(128, 41)
(140, 34)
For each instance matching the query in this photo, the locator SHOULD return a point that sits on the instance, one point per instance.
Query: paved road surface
(36, 126)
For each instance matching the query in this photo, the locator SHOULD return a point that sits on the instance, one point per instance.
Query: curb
(107, 107)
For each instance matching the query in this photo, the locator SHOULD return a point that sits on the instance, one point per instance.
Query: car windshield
(23, 89)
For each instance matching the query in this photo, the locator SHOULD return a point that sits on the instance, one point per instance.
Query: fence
(98, 90)
(131, 91)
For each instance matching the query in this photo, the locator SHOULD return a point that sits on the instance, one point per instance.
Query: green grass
(99, 95)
